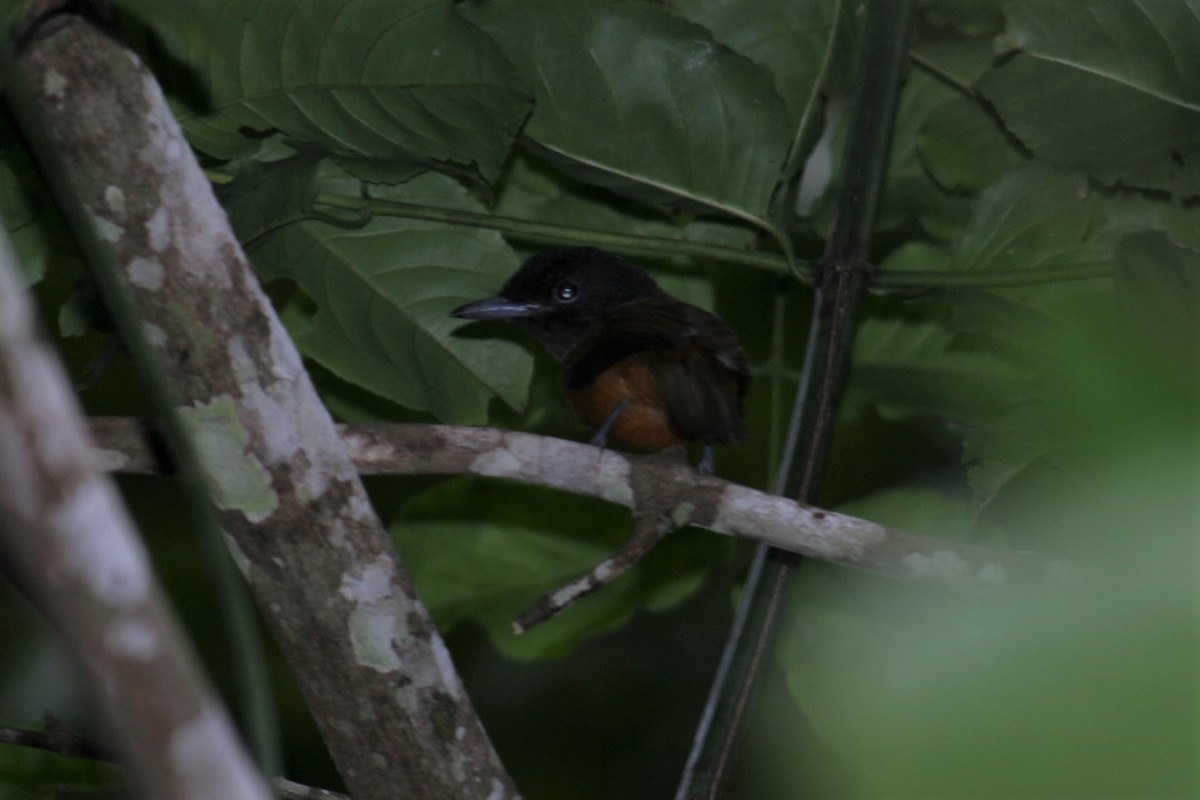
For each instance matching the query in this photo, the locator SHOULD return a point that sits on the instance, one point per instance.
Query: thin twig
(648, 530)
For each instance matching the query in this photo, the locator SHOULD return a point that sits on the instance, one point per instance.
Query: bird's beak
(498, 308)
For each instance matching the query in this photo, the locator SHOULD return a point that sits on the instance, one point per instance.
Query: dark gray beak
(498, 308)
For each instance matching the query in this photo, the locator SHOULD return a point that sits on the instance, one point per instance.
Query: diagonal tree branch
(373, 669)
(67, 541)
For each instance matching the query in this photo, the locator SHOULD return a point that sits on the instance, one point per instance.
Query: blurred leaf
(391, 81)
(636, 100)
(1086, 682)
(1077, 98)
(384, 291)
(483, 551)
(999, 452)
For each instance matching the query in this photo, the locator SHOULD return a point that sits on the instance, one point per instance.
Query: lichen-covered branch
(126, 445)
(376, 674)
(67, 541)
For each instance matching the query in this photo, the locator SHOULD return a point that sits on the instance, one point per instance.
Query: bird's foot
(600, 437)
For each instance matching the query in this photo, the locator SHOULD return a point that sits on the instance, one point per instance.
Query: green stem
(548, 233)
(842, 278)
(545, 232)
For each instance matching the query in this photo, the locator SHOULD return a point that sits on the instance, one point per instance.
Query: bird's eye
(566, 291)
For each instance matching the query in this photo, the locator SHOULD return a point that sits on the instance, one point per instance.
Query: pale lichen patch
(372, 636)
(204, 752)
(134, 639)
(54, 84)
(158, 229)
(239, 481)
(372, 584)
(107, 560)
(154, 334)
(109, 231)
(114, 199)
(373, 623)
(146, 273)
(497, 462)
(445, 665)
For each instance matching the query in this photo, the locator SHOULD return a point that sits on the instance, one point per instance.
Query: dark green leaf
(393, 81)
(636, 100)
(1078, 97)
(384, 291)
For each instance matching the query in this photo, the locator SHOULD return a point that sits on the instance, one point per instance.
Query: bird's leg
(708, 461)
(600, 437)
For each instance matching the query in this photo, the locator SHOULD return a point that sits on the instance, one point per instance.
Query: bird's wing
(700, 367)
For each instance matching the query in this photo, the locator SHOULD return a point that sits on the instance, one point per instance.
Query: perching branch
(67, 541)
(682, 494)
(375, 672)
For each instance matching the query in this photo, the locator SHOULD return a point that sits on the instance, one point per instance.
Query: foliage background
(991, 398)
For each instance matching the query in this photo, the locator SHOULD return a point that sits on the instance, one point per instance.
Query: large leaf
(1109, 86)
(384, 291)
(634, 99)
(391, 81)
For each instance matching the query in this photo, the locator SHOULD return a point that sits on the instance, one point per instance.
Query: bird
(637, 364)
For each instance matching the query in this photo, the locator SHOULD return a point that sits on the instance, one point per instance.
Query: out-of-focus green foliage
(1033, 139)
